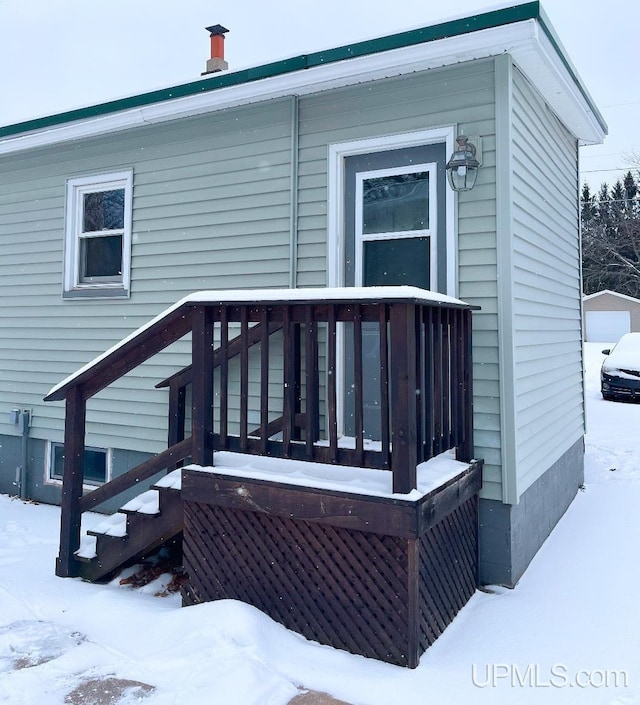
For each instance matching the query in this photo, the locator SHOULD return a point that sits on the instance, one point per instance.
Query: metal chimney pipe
(216, 63)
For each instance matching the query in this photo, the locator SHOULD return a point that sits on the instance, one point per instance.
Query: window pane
(402, 261)
(393, 204)
(95, 464)
(103, 211)
(57, 462)
(101, 257)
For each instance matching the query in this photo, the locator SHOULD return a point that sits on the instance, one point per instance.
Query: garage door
(607, 326)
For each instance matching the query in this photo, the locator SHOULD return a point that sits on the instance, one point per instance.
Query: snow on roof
(260, 296)
(589, 297)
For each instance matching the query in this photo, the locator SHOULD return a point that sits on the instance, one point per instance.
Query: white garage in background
(609, 315)
(606, 326)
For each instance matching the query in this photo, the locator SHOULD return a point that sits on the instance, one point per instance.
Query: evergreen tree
(588, 209)
(617, 204)
(611, 237)
(630, 187)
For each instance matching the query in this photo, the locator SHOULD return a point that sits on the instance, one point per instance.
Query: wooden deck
(283, 374)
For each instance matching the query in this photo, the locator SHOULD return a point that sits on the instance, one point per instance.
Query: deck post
(202, 387)
(404, 398)
(72, 477)
(413, 603)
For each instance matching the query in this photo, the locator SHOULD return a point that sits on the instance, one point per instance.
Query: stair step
(142, 524)
(171, 481)
(87, 551)
(147, 503)
(114, 525)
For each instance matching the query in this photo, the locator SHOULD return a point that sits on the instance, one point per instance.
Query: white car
(620, 373)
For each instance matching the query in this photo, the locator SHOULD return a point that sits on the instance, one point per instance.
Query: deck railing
(380, 382)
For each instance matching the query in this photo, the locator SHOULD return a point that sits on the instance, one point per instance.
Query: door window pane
(395, 203)
(397, 262)
(101, 257)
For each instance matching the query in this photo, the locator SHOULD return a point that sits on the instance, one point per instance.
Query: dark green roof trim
(452, 28)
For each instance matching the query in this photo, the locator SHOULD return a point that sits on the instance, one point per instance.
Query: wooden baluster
(296, 337)
(428, 384)
(358, 391)
(312, 382)
(332, 405)
(419, 393)
(437, 381)
(177, 412)
(264, 379)
(223, 351)
(244, 377)
(289, 400)
(446, 379)
(385, 438)
(403, 397)
(177, 416)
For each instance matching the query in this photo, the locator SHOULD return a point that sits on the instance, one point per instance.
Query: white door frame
(338, 152)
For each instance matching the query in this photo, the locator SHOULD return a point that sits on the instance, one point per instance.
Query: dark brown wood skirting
(358, 573)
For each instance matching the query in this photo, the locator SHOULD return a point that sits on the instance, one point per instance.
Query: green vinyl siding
(546, 285)
(210, 211)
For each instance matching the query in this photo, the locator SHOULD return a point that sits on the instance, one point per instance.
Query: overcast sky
(59, 54)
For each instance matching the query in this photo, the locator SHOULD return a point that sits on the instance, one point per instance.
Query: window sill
(57, 482)
(96, 293)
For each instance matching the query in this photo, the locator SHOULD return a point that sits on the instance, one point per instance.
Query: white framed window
(97, 260)
(395, 226)
(97, 464)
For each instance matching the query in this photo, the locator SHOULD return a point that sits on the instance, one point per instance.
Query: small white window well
(97, 261)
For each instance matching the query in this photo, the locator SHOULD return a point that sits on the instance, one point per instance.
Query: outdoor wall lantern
(462, 168)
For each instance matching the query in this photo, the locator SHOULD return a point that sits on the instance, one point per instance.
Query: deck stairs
(139, 527)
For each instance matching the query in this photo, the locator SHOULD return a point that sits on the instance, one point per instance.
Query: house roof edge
(443, 30)
(324, 69)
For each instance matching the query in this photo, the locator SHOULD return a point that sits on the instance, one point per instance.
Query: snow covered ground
(569, 633)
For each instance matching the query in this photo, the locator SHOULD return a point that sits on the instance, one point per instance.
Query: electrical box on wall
(20, 418)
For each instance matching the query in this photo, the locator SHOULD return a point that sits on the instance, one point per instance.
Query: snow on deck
(375, 483)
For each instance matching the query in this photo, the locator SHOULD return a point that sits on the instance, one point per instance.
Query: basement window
(97, 464)
(97, 260)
